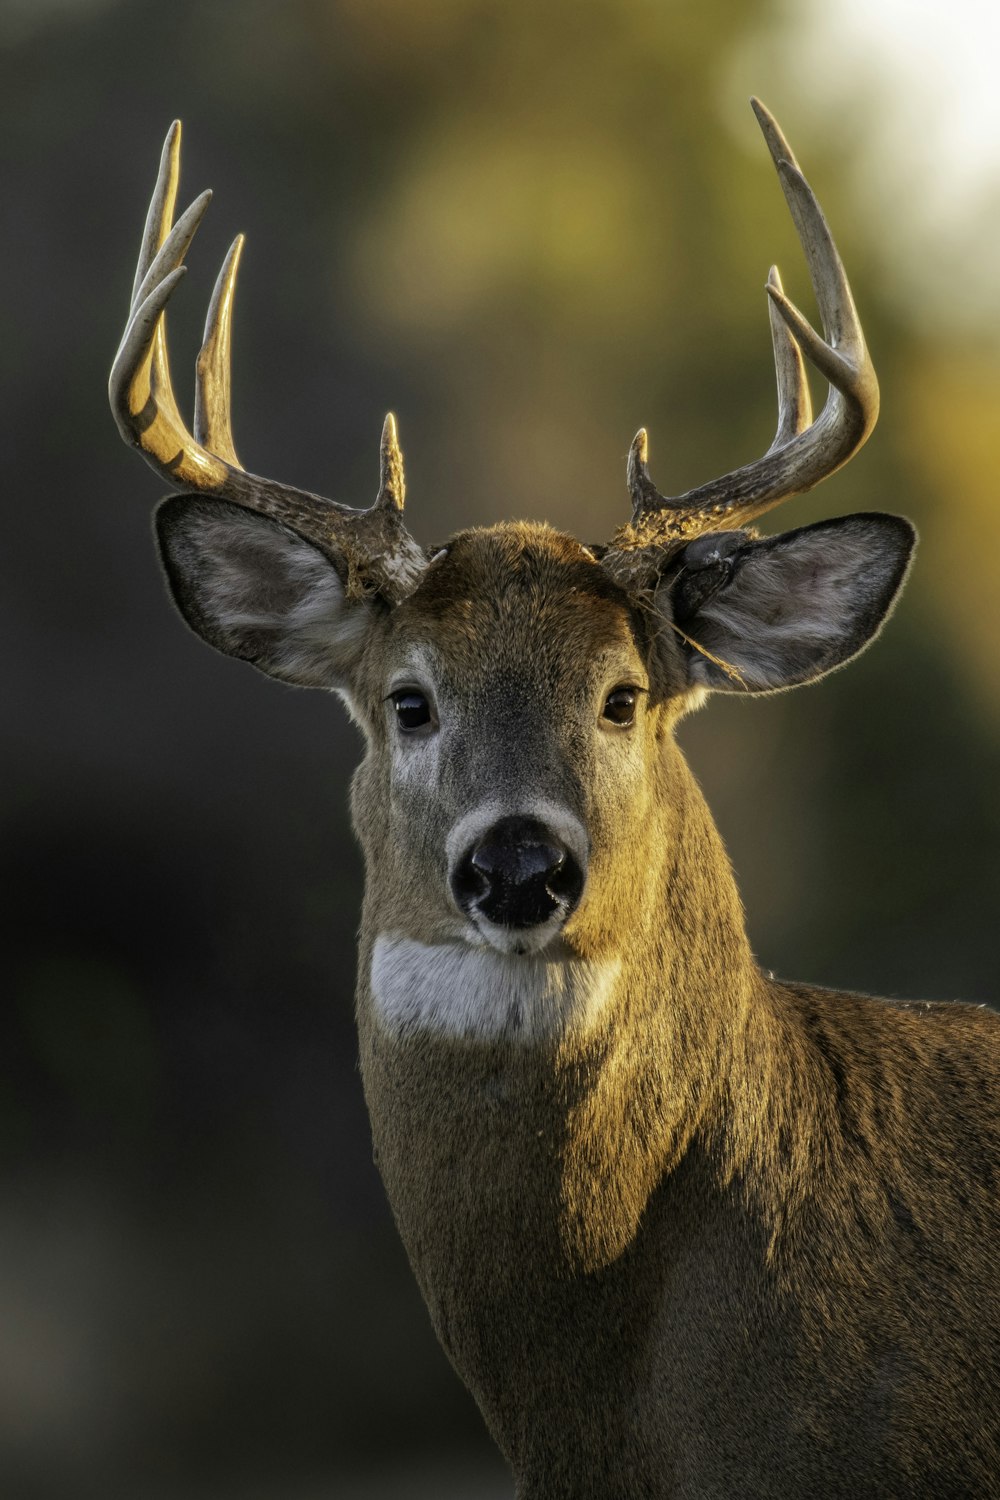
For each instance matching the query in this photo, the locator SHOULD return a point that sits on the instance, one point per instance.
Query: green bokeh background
(527, 228)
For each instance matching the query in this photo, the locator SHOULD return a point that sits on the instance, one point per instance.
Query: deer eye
(412, 710)
(619, 706)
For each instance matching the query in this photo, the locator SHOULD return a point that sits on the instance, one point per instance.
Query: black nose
(517, 874)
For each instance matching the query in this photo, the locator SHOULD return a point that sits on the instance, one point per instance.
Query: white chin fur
(486, 993)
(519, 940)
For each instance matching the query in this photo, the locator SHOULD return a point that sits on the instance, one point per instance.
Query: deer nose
(517, 874)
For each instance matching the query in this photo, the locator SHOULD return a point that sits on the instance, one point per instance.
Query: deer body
(845, 1356)
(684, 1230)
(760, 1333)
(698, 1236)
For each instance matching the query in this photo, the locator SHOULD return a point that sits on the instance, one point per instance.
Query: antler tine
(392, 485)
(380, 555)
(160, 214)
(804, 451)
(645, 495)
(794, 401)
(212, 399)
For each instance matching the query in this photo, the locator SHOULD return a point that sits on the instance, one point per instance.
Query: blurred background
(527, 226)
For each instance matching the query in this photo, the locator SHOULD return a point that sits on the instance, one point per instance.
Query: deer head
(517, 690)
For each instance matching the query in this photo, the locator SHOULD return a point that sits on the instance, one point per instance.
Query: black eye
(412, 709)
(619, 706)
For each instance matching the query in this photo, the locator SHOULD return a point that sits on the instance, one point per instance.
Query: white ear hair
(256, 590)
(797, 605)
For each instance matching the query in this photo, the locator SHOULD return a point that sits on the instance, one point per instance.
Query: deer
(683, 1229)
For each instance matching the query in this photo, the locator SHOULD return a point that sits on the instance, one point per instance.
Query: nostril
(470, 882)
(566, 880)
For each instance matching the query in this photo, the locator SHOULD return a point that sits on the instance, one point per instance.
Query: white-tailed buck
(683, 1229)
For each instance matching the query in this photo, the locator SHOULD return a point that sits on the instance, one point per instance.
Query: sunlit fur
(715, 1235)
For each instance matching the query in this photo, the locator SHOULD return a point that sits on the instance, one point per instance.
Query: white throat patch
(456, 990)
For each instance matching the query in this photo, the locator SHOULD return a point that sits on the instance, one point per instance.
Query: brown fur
(742, 1241)
(736, 1237)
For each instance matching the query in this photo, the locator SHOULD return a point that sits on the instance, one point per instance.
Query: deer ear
(254, 589)
(787, 609)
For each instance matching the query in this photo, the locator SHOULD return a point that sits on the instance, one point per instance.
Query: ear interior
(788, 609)
(255, 590)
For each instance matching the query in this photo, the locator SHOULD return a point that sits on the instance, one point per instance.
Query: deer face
(511, 719)
(517, 703)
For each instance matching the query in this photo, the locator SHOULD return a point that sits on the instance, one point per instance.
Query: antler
(804, 450)
(379, 553)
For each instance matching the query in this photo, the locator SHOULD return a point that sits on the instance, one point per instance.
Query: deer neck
(570, 1130)
(658, 1067)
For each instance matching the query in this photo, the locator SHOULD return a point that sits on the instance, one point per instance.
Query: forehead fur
(499, 583)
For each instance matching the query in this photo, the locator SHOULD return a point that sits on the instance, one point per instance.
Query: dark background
(526, 228)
